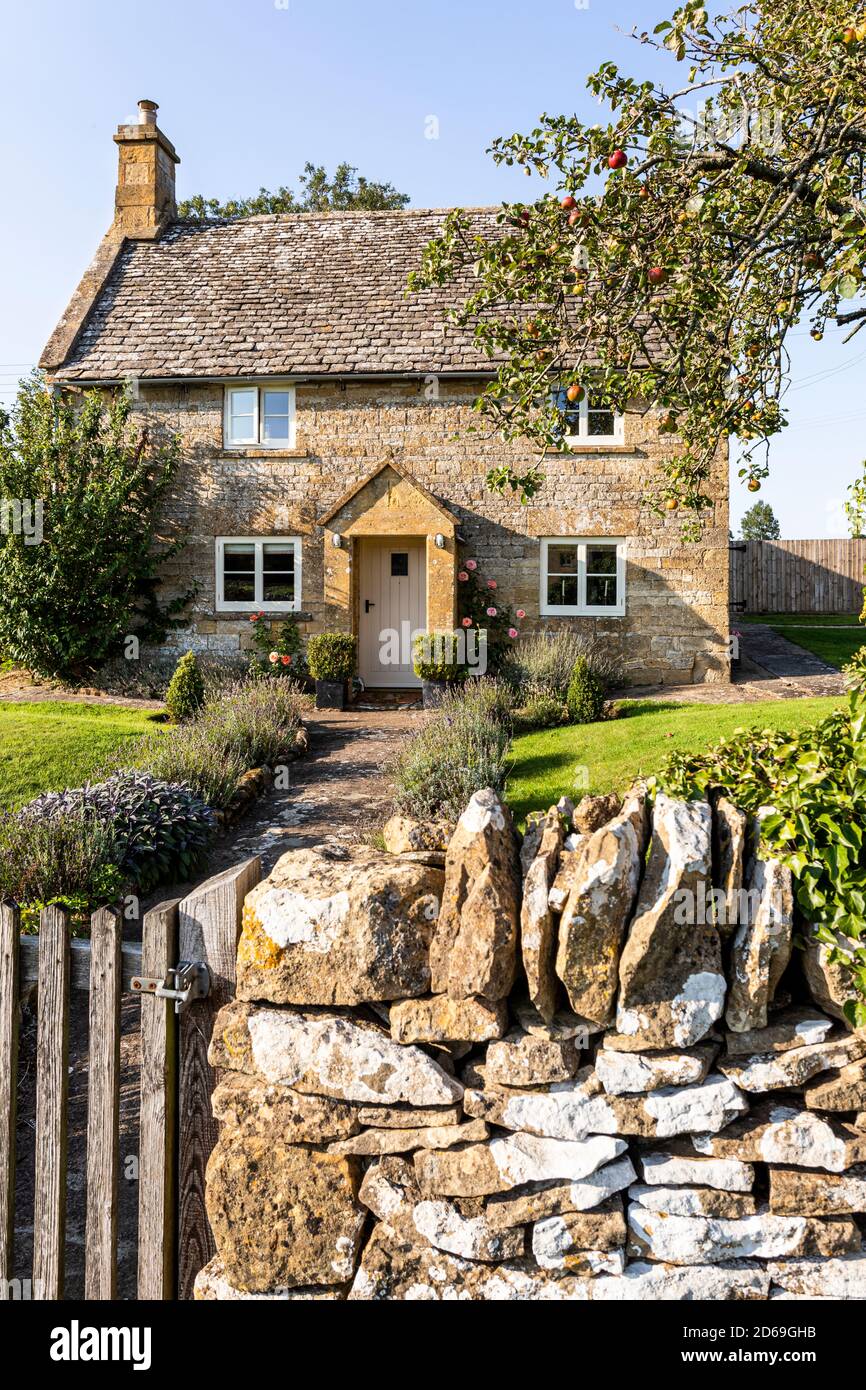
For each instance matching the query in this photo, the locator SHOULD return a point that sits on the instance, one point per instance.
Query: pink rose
(467, 622)
(472, 564)
(512, 633)
(491, 583)
(491, 612)
(254, 617)
(521, 613)
(463, 576)
(274, 658)
(286, 660)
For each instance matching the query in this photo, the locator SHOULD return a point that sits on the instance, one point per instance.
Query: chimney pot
(147, 112)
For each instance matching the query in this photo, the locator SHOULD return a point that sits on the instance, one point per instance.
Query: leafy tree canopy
(85, 578)
(760, 524)
(348, 191)
(686, 236)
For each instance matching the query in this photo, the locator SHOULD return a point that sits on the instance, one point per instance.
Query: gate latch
(184, 983)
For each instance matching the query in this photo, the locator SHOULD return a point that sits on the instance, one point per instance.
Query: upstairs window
(588, 421)
(259, 415)
(582, 578)
(255, 573)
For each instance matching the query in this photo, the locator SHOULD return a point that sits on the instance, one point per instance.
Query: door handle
(368, 605)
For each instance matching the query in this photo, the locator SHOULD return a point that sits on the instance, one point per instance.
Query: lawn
(834, 637)
(46, 746)
(550, 763)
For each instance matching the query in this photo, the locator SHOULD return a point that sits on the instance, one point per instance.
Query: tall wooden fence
(797, 576)
(176, 1129)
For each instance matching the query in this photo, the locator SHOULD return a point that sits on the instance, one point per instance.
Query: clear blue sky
(251, 89)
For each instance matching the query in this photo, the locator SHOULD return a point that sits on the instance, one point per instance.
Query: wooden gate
(176, 1129)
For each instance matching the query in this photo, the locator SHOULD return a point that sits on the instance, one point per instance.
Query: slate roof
(309, 294)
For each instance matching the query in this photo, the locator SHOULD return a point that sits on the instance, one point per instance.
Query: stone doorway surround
(386, 505)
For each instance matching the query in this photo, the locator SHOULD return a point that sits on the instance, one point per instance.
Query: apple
(753, 485)
(657, 275)
(575, 217)
(575, 392)
(813, 261)
(782, 307)
(817, 334)
(618, 159)
(748, 405)
(849, 35)
(568, 202)
(671, 504)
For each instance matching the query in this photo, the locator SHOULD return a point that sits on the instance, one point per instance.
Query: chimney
(144, 202)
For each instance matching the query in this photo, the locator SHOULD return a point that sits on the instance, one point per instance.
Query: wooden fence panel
(799, 576)
(9, 929)
(157, 1195)
(52, 1084)
(103, 1105)
(209, 926)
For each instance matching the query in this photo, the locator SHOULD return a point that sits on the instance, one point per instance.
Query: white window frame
(256, 441)
(583, 437)
(258, 605)
(582, 609)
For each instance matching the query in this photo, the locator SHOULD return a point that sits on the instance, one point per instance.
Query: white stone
(645, 1282)
(702, 1240)
(725, 1174)
(523, 1158)
(793, 1068)
(553, 1248)
(334, 1057)
(621, 1073)
(841, 1278)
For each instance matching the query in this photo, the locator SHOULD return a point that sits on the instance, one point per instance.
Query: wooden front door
(392, 594)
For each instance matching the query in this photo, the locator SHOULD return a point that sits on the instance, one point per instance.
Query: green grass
(834, 637)
(53, 744)
(616, 751)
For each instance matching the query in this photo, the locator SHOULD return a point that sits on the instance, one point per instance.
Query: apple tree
(683, 240)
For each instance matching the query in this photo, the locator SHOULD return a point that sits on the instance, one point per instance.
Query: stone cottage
(329, 469)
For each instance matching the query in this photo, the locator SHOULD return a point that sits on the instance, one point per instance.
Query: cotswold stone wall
(676, 623)
(536, 1070)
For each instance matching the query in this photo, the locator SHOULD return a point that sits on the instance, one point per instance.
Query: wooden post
(157, 1185)
(8, 1087)
(52, 1084)
(209, 927)
(103, 1106)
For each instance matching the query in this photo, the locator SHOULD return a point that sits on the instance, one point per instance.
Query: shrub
(243, 724)
(161, 830)
(277, 647)
(585, 698)
(540, 712)
(331, 656)
(460, 750)
(481, 608)
(815, 782)
(435, 656)
(185, 692)
(188, 755)
(69, 602)
(71, 857)
(543, 663)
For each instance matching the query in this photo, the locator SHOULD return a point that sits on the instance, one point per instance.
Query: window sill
(586, 448)
(235, 614)
(582, 613)
(261, 451)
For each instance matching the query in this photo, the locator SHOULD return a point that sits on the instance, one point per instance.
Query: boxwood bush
(331, 656)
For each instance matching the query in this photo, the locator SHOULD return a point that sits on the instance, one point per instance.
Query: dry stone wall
(562, 1068)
